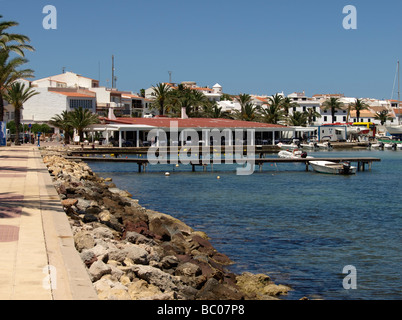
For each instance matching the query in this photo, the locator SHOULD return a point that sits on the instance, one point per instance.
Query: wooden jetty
(143, 162)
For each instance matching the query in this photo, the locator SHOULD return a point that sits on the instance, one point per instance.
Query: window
(325, 118)
(85, 104)
(344, 118)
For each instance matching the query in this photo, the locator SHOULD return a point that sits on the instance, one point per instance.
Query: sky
(255, 47)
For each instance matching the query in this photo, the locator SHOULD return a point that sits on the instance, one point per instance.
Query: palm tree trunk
(18, 125)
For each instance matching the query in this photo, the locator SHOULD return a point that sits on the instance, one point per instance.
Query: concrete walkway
(38, 260)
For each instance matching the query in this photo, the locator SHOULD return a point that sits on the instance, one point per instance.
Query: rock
(121, 193)
(83, 240)
(103, 233)
(88, 257)
(213, 290)
(259, 286)
(98, 269)
(188, 269)
(142, 290)
(89, 218)
(154, 276)
(69, 202)
(137, 254)
(169, 262)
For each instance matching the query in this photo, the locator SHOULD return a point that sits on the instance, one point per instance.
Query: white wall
(44, 106)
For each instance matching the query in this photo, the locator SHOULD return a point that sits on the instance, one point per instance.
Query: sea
(329, 237)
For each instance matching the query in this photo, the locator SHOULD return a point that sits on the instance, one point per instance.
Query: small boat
(379, 145)
(310, 145)
(333, 167)
(287, 146)
(295, 154)
(325, 145)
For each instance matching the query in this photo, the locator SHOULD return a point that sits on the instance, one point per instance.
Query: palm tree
(81, 118)
(382, 116)
(244, 99)
(12, 41)
(9, 73)
(17, 95)
(359, 105)
(62, 122)
(298, 119)
(286, 105)
(311, 115)
(248, 112)
(273, 113)
(333, 104)
(160, 93)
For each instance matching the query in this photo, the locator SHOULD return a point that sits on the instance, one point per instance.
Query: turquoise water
(301, 228)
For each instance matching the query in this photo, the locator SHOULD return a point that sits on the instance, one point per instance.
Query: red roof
(194, 123)
(74, 94)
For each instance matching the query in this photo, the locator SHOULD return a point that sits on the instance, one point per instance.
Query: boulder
(83, 240)
(98, 269)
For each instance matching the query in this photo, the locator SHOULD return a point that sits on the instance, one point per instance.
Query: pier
(362, 162)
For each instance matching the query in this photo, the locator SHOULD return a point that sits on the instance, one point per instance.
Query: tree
(11, 42)
(333, 104)
(248, 112)
(358, 106)
(62, 122)
(81, 118)
(273, 113)
(160, 93)
(17, 95)
(9, 72)
(298, 119)
(311, 115)
(287, 104)
(382, 116)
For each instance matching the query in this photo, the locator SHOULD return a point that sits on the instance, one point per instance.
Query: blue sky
(255, 47)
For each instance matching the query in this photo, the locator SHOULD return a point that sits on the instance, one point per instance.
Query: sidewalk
(38, 260)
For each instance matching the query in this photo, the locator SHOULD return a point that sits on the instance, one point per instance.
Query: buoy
(104, 155)
(167, 174)
(218, 177)
(177, 164)
(112, 155)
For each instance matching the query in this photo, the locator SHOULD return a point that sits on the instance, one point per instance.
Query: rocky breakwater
(134, 253)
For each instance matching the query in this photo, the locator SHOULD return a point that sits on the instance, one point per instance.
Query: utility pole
(170, 76)
(112, 71)
(399, 95)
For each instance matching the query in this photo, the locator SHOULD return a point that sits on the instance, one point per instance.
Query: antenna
(64, 69)
(113, 77)
(170, 76)
(399, 95)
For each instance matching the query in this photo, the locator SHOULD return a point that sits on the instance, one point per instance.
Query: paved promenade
(38, 260)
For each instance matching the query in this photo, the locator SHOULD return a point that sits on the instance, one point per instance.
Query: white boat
(325, 145)
(394, 130)
(287, 146)
(310, 145)
(333, 167)
(295, 154)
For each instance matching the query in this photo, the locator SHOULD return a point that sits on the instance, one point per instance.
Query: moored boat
(295, 154)
(333, 167)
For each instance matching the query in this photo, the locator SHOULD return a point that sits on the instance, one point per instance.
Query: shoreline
(133, 253)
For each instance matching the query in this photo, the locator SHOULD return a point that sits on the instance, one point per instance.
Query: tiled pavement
(38, 260)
